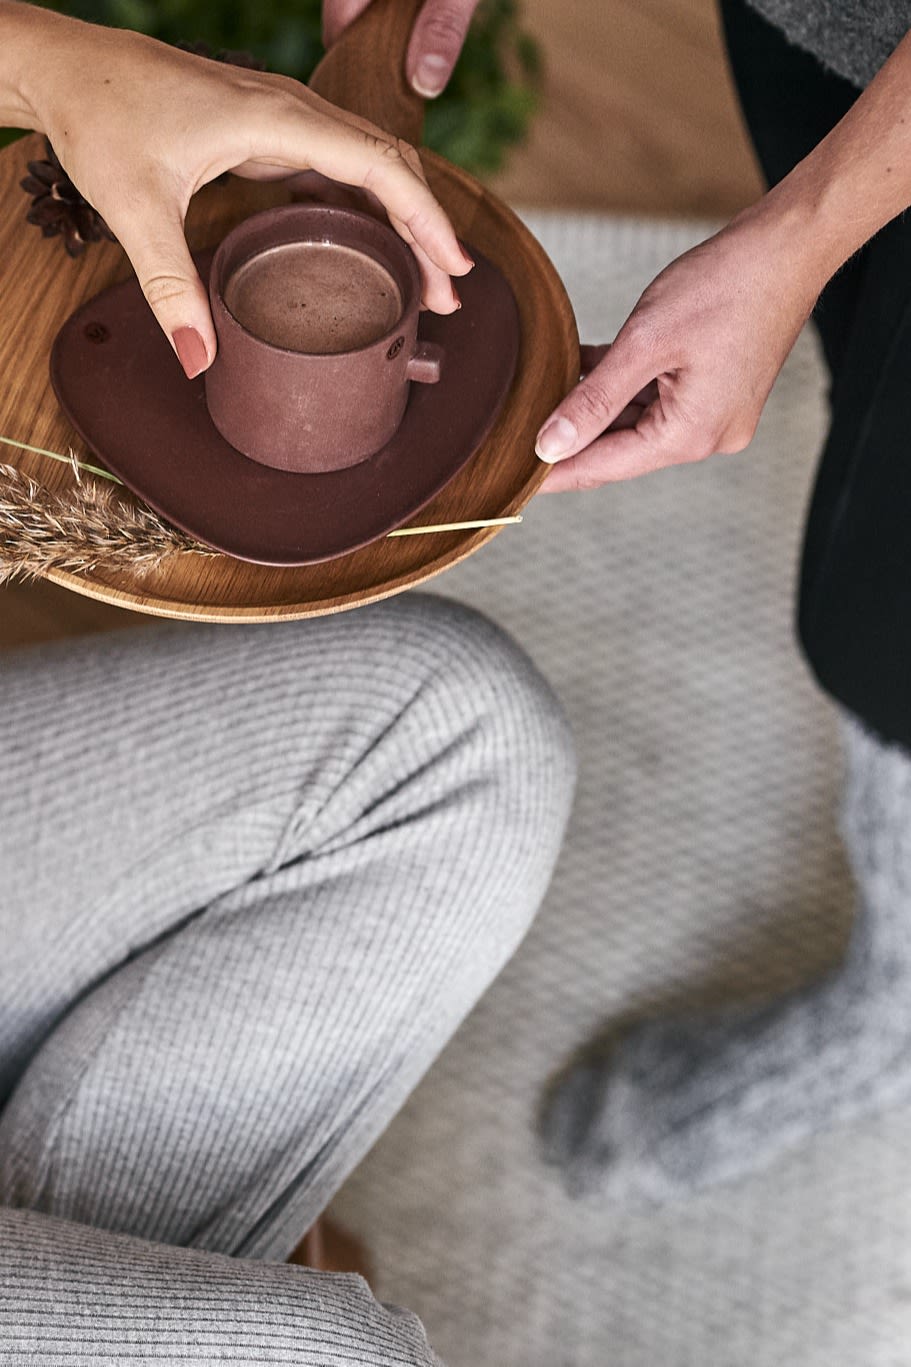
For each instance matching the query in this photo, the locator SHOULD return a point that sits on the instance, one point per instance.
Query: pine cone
(58, 208)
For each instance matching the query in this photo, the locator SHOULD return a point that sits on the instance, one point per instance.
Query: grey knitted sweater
(852, 37)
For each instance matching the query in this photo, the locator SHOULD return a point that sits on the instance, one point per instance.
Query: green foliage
(485, 110)
(488, 104)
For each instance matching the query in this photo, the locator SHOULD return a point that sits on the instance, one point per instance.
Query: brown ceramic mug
(316, 312)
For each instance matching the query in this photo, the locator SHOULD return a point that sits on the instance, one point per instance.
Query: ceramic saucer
(121, 386)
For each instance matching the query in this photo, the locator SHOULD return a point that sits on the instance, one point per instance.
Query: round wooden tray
(40, 286)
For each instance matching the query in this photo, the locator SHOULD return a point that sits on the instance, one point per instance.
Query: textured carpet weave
(702, 865)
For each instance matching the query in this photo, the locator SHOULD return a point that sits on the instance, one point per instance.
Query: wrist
(21, 29)
(30, 38)
(796, 231)
(857, 179)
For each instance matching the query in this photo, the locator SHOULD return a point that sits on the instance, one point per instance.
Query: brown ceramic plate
(120, 384)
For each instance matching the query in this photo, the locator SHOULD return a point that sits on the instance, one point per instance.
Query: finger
(436, 41)
(153, 239)
(437, 291)
(591, 356)
(623, 454)
(337, 15)
(375, 162)
(596, 401)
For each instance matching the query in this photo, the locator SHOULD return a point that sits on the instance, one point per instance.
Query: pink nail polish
(191, 351)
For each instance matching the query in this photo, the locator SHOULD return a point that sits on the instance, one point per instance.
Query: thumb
(595, 402)
(155, 243)
(436, 42)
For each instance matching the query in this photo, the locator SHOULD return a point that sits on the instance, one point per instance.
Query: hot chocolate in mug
(316, 312)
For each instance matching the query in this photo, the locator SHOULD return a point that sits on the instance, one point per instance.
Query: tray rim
(447, 180)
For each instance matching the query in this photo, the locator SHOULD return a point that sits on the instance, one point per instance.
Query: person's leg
(681, 1104)
(257, 878)
(72, 1296)
(677, 1105)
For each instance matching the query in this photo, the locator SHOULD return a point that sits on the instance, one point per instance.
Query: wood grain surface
(365, 72)
(40, 286)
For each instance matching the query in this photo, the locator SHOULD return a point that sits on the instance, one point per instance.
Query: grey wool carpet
(702, 865)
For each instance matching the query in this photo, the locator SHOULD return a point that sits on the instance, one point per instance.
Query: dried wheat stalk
(84, 529)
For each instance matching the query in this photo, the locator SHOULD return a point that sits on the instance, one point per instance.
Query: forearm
(69, 1293)
(854, 182)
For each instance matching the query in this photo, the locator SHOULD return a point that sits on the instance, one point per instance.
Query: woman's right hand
(140, 126)
(690, 370)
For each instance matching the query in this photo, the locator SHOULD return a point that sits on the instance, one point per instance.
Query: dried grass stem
(84, 529)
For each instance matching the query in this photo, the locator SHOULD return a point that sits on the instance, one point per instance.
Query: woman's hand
(714, 329)
(690, 370)
(140, 127)
(436, 39)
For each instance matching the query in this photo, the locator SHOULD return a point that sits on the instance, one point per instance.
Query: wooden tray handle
(365, 71)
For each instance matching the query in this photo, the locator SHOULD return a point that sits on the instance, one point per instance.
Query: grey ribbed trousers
(251, 880)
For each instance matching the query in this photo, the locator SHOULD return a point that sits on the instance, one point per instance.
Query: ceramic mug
(314, 411)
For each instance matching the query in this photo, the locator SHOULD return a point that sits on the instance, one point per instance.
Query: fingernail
(455, 298)
(430, 76)
(556, 439)
(469, 261)
(191, 351)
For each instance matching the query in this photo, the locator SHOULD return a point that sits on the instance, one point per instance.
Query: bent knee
(512, 751)
(493, 693)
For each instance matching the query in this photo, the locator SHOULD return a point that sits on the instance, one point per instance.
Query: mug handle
(425, 363)
(589, 356)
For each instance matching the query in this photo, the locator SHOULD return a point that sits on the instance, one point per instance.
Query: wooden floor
(638, 115)
(639, 112)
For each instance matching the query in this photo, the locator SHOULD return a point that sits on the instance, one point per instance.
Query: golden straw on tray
(89, 528)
